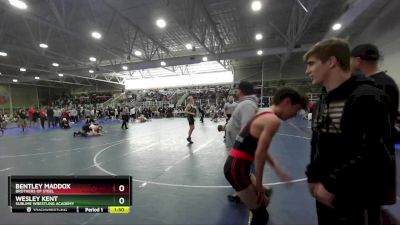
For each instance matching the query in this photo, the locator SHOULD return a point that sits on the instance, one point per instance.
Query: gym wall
(294, 68)
(13, 97)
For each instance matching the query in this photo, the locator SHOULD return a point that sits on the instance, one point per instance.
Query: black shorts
(237, 172)
(228, 116)
(190, 120)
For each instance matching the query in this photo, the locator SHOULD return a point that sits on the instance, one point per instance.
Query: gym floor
(173, 182)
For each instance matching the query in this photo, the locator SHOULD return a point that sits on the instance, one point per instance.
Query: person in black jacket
(125, 118)
(50, 116)
(3, 123)
(349, 174)
(202, 113)
(364, 58)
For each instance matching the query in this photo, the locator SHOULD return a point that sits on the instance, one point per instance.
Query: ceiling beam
(66, 82)
(30, 79)
(56, 13)
(65, 73)
(30, 84)
(36, 19)
(185, 60)
(136, 27)
(347, 18)
(298, 24)
(34, 53)
(212, 24)
(198, 23)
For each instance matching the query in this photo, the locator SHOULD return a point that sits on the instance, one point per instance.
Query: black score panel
(70, 194)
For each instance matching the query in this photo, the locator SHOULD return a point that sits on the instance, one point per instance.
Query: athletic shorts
(228, 116)
(237, 172)
(190, 120)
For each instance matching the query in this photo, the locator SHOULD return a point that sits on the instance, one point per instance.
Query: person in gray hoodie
(244, 111)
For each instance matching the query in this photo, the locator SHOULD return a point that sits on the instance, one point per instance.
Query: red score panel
(69, 185)
(97, 188)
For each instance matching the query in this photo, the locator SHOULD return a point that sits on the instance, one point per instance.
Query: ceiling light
(42, 45)
(259, 36)
(15, 80)
(18, 3)
(161, 23)
(93, 59)
(55, 64)
(256, 5)
(60, 75)
(138, 53)
(189, 46)
(205, 59)
(336, 26)
(163, 63)
(124, 67)
(259, 52)
(3, 54)
(96, 35)
(37, 78)
(22, 69)
(91, 71)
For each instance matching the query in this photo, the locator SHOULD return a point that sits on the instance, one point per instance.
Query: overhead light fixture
(3, 54)
(60, 75)
(22, 69)
(37, 78)
(55, 64)
(0, 73)
(93, 59)
(124, 67)
(138, 53)
(91, 71)
(15, 80)
(163, 63)
(43, 45)
(18, 4)
(189, 46)
(96, 35)
(259, 52)
(205, 59)
(161, 23)
(256, 5)
(259, 36)
(336, 26)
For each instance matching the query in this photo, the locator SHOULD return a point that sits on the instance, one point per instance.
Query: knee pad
(260, 216)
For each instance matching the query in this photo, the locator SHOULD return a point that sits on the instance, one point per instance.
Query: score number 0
(121, 188)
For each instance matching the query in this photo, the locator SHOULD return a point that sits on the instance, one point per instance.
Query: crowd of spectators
(149, 103)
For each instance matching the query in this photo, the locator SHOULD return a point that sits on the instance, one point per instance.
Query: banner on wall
(3, 100)
(4, 95)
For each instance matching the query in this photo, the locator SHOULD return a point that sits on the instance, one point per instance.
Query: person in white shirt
(57, 116)
(116, 113)
(229, 107)
(73, 115)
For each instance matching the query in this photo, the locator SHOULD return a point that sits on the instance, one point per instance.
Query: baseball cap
(366, 52)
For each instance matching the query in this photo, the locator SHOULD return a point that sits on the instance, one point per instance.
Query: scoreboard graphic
(69, 194)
